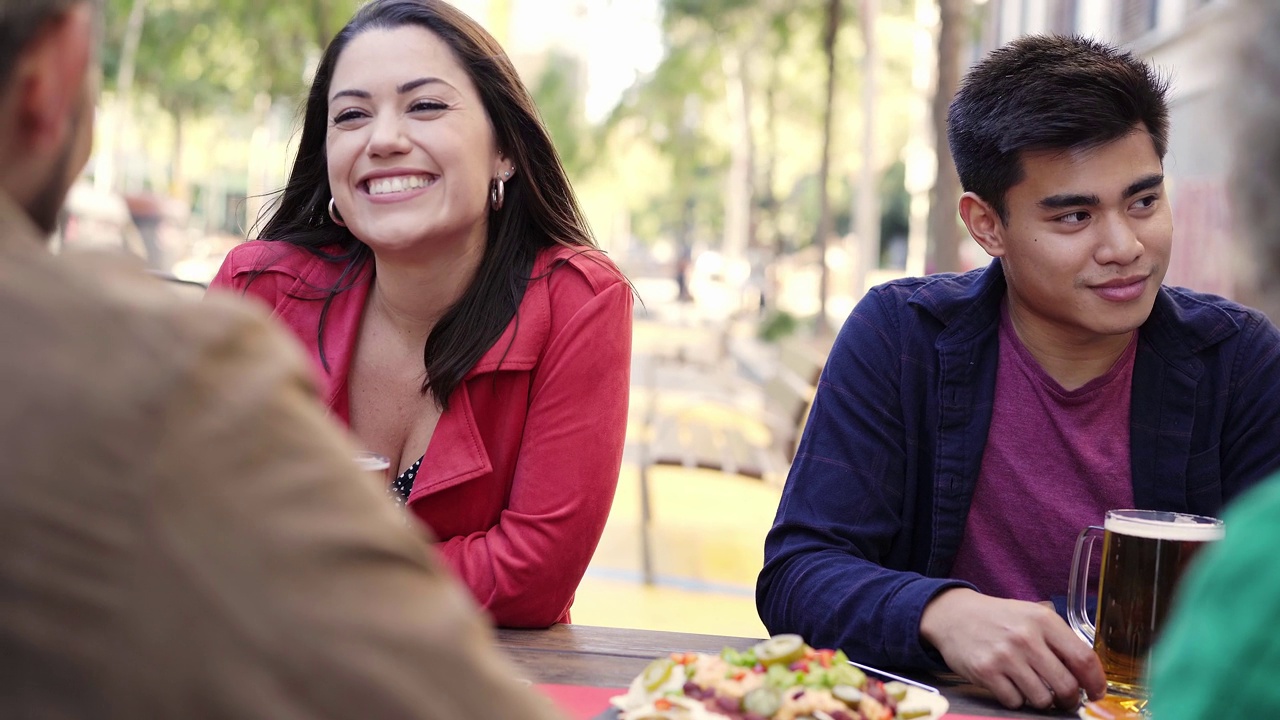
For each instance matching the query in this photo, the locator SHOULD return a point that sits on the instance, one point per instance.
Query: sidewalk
(708, 544)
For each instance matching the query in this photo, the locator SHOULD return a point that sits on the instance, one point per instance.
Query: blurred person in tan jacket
(183, 532)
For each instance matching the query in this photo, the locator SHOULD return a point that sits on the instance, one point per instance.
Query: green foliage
(558, 94)
(777, 325)
(195, 56)
(669, 112)
(895, 203)
(684, 109)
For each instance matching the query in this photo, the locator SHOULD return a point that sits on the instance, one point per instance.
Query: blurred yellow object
(1115, 707)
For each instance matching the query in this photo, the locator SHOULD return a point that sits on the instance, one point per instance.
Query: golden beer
(1144, 554)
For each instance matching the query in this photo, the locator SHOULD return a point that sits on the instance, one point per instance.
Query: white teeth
(400, 183)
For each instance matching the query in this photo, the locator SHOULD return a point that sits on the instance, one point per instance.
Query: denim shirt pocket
(1204, 482)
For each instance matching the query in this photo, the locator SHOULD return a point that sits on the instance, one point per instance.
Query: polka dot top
(403, 485)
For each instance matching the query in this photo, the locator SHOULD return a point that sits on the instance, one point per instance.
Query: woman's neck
(411, 295)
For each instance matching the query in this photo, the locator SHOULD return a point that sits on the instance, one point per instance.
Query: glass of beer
(377, 466)
(1144, 553)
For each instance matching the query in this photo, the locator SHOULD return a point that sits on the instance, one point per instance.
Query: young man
(967, 427)
(182, 531)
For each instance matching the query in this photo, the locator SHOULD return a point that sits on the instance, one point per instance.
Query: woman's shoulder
(256, 256)
(591, 267)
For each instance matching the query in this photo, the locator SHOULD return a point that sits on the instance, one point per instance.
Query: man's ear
(984, 223)
(49, 78)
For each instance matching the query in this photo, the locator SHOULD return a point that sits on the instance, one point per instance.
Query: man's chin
(1122, 321)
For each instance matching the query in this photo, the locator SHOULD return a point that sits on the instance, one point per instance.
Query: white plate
(935, 703)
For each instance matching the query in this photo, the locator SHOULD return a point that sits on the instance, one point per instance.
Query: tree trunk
(177, 173)
(823, 326)
(867, 201)
(738, 195)
(109, 174)
(769, 205)
(943, 224)
(322, 11)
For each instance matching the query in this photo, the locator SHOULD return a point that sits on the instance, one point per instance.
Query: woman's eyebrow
(401, 89)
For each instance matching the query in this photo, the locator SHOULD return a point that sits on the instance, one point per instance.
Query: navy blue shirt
(874, 507)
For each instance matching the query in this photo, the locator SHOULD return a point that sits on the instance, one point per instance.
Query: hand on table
(1021, 651)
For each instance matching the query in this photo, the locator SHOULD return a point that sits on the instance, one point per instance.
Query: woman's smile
(395, 187)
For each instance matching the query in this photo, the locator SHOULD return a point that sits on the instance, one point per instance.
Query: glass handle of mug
(1078, 590)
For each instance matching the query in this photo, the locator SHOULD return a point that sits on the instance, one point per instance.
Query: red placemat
(580, 702)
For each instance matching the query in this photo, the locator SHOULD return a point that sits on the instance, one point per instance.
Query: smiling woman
(429, 251)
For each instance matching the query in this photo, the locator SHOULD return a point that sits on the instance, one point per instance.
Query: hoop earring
(497, 193)
(334, 216)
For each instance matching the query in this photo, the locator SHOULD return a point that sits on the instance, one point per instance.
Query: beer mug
(1144, 553)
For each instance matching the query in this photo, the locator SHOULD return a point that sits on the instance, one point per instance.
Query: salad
(781, 678)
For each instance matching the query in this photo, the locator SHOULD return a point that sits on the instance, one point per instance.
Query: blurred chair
(719, 421)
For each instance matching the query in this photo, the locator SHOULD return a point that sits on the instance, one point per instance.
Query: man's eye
(1146, 202)
(1072, 218)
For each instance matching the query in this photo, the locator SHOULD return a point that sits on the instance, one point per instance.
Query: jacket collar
(518, 348)
(1181, 323)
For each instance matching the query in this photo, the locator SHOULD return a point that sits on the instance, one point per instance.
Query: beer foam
(1167, 526)
(372, 461)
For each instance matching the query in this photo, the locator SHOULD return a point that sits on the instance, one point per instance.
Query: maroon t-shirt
(1056, 460)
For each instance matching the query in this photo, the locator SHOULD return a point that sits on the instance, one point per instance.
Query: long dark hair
(539, 209)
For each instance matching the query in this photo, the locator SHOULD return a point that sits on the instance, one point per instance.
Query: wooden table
(611, 657)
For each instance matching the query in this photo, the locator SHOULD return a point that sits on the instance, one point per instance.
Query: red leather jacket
(520, 473)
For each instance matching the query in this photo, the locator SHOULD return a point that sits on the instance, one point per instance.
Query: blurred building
(1188, 40)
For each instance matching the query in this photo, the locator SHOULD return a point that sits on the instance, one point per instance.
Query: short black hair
(1048, 92)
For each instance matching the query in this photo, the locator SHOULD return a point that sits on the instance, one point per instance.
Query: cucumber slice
(656, 673)
(780, 650)
(847, 694)
(762, 701)
(847, 674)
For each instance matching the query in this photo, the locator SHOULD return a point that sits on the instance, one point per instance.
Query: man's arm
(281, 582)
(846, 502)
